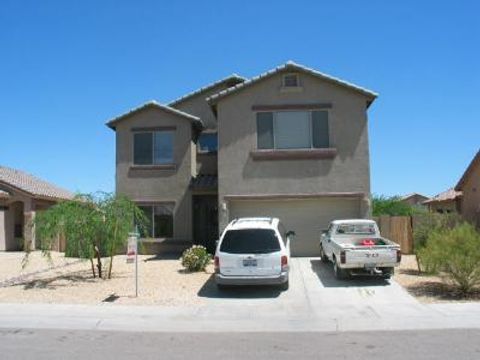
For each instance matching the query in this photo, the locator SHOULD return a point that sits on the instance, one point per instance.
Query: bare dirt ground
(162, 281)
(428, 288)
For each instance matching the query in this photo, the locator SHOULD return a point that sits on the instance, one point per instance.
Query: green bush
(196, 258)
(455, 255)
(392, 205)
(427, 223)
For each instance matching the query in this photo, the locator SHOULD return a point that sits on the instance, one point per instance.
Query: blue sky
(66, 67)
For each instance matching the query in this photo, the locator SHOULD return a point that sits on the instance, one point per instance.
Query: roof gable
(291, 66)
(475, 162)
(153, 104)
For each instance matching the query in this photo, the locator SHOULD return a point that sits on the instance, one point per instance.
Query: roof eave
(461, 182)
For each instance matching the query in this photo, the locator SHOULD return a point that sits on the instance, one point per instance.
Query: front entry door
(205, 221)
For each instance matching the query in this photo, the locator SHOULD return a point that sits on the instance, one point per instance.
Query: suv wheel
(285, 286)
(323, 257)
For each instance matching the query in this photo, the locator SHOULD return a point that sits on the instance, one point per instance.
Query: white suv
(253, 251)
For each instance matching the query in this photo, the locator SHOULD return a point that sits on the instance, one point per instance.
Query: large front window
(292, 130)
(160, 220)
(153, 147)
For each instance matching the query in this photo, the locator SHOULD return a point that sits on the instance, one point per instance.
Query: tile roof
(204, 182)
(408, 196)
(4, 194)
(470, 168)
(290, 65)
(448, 195)
(196, 120)
(233, 79)
(32, 185)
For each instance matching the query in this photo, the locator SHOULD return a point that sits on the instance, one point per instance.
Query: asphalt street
(16, 344)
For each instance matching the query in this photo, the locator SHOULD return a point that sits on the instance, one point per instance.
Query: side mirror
(290, 233)
(216, 242)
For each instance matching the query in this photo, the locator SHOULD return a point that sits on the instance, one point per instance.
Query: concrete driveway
(314, 292)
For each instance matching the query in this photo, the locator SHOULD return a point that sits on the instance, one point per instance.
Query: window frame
(284, 85)
(200, 151)
(152, 133)
(274, 125)
(152, 220)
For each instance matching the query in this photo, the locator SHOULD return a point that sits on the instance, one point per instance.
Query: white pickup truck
(355, 247)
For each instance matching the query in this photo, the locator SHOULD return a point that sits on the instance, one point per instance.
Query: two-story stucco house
(290, 143)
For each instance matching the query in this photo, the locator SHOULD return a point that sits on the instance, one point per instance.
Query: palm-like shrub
(196, 258)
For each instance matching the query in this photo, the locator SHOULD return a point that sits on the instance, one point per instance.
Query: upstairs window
(208, 143)
(292, 130)
(290, 80)
(153, 147)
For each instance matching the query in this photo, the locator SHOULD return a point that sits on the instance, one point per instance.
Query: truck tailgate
(371, 255)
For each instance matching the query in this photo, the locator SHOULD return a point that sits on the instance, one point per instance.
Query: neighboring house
(415, 199)
(290, 143)
(445, 202)
(469, 185)
(21, 196)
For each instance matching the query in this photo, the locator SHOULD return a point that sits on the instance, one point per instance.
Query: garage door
(306, 217)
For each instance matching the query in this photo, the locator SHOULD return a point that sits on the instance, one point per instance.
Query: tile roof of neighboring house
(32, 185)
(466, 174)
(408, 196)
(448, 195)
(196, 120)
(233, 79)
(204, 182)
(4, 194)
(290, 65)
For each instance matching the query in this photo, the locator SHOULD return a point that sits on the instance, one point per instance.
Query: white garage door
(306, 217)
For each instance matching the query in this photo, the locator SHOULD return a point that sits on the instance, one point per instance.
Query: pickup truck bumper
(368, 266)
(252, 280)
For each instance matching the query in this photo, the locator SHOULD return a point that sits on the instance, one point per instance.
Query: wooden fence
(398, 229)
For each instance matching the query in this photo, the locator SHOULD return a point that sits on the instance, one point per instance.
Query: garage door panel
(306, 217)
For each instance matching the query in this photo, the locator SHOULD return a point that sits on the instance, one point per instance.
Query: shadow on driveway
(210, 290)
(325, 273)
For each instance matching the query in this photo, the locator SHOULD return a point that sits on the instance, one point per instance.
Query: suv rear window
(250, 241)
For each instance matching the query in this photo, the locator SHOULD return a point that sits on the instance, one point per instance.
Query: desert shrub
(455, 255)
(392, 205)
(196, 258)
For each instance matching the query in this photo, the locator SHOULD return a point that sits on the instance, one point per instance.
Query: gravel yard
(427, 288)
(69, 280)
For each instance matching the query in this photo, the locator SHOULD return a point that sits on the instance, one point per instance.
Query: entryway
(205, 221)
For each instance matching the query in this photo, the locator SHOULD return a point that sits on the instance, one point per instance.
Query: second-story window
(207, 143)
(153, 147)
(292, 130)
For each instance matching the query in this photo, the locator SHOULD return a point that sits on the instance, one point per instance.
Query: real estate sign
(132, 249)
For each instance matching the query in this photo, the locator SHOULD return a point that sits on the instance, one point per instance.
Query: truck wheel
(387, 273)
(323, 257)
(340, 273)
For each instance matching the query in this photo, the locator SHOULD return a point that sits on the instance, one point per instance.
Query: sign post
(132, 256)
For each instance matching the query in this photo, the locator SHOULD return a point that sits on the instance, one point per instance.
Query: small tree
(92, 225)
(454, 254)
(121, 215)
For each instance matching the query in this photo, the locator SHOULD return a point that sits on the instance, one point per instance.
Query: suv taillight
(284, 262)
(216, 263)
(343, 257)
(399, 256)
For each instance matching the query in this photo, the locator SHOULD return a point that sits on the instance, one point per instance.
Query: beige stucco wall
(158, 185)
(470, 207)
(349, 171)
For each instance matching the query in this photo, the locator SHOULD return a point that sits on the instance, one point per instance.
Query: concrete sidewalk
(249, 319)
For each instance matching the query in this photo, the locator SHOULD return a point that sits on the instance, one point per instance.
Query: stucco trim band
(326, 153)
(318, 106)
(296, 196)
